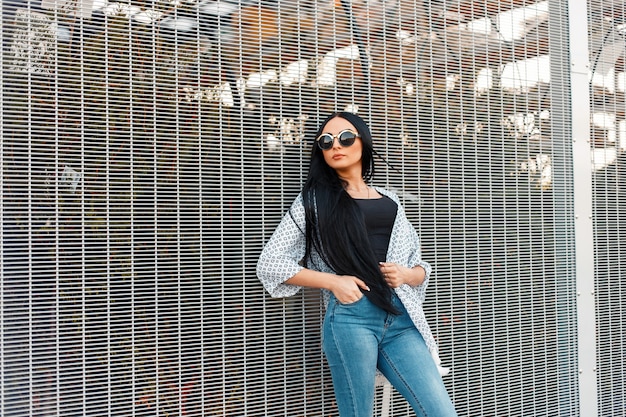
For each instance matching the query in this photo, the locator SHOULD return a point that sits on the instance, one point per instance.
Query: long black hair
(335, 226)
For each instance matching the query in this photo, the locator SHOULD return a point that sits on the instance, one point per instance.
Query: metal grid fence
(150, 148)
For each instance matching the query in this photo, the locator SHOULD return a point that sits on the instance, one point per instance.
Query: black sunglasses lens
(325, 142)
(347, 138)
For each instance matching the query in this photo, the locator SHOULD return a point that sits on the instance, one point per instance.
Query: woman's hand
(396, 275)
(347, 289)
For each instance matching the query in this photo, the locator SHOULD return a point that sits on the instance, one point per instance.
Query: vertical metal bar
(57, 237)
(108, 223)
(582, 173)
(108, 257)
(31, 255)
(2, 236)
(131, 169)
(83, 216)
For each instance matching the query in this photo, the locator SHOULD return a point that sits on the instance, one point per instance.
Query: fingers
(388, 268)
(391, 273)
(349, 289)
(362, 284)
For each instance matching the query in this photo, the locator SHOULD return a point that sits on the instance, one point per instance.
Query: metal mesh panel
(150, 148)
(608, 142)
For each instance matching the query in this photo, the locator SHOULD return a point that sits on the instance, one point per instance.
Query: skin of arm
(346, 288)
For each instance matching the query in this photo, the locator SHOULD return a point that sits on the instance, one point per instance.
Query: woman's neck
(357, 188)
(354, 183)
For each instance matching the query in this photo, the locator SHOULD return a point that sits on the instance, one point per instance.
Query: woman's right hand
(347, 288)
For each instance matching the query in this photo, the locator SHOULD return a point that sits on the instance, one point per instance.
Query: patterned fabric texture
(282, 255)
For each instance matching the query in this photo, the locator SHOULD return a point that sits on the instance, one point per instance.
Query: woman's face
(344, 160)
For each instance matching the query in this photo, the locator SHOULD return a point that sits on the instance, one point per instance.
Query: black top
(380, 215)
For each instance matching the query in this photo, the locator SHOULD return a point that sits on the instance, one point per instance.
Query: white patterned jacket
(282, 255)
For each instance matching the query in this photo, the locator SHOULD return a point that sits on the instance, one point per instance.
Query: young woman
(355, 242)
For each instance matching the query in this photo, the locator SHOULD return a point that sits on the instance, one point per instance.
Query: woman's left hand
(396, 275)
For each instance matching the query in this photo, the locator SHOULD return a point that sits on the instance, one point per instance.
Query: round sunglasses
(346, 138)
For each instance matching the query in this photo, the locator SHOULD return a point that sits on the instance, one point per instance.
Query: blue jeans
(360, 337)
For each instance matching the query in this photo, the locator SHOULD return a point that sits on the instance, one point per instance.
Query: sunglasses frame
(343, 143)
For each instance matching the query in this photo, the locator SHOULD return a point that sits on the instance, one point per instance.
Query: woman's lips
(338, 156)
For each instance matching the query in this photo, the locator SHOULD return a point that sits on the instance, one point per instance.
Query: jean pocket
(354, 303)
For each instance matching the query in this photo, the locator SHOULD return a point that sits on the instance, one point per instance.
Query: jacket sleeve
(406, 248)
(281, 256)
(415, 258)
